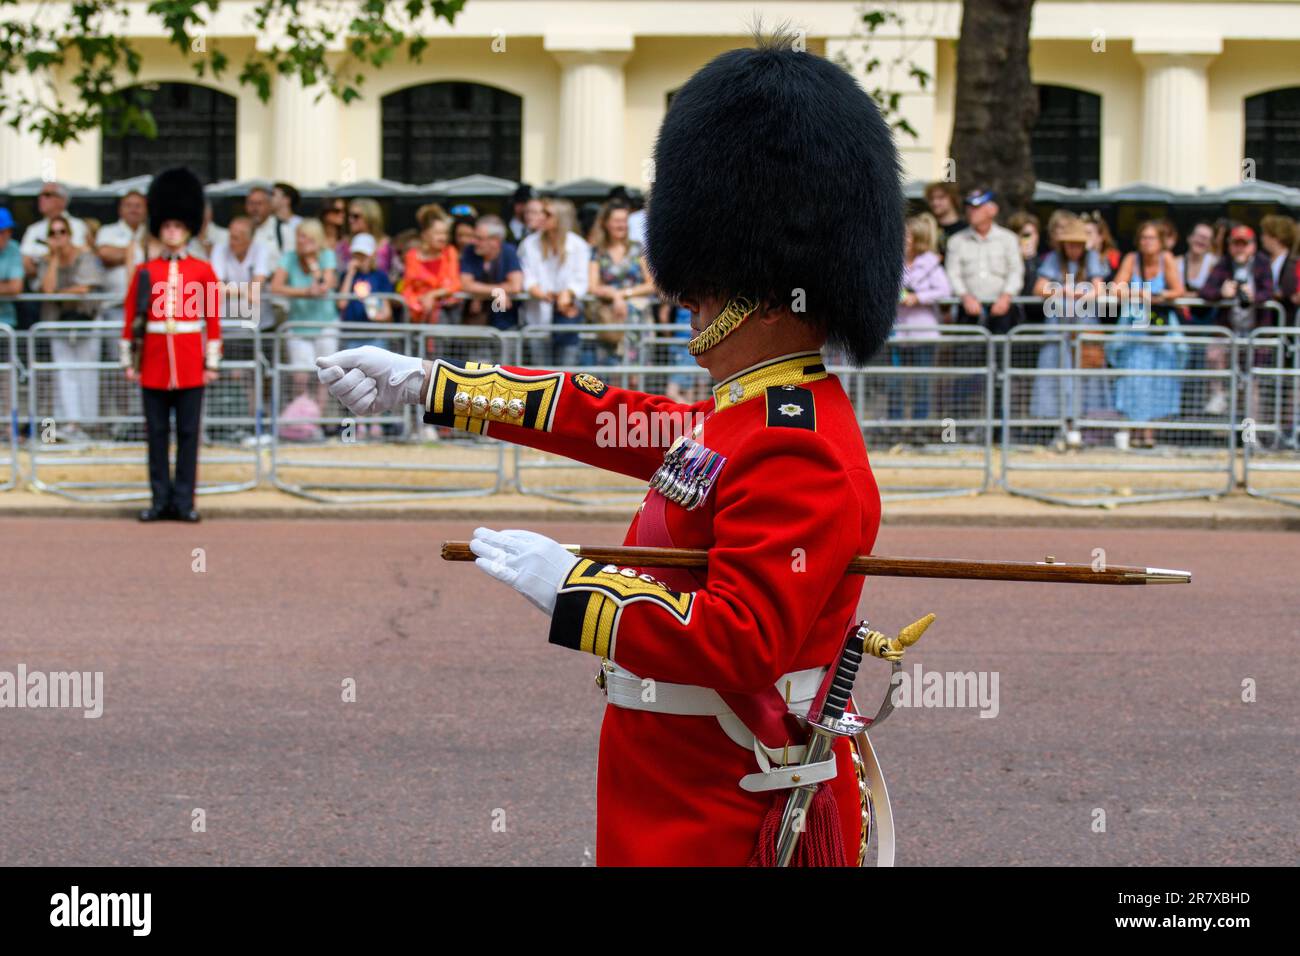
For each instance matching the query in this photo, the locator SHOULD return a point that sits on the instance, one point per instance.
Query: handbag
(600, 312)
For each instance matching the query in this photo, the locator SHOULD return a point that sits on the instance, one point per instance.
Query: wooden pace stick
(1049, 571)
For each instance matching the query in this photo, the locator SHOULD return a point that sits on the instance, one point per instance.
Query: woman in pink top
(914, 341)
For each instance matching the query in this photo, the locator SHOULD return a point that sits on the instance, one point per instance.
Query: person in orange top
(432, 267)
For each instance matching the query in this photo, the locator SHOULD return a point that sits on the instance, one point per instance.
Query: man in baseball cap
(984, 264)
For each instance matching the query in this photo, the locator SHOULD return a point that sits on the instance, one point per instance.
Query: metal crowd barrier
(86, 435)
(925, 405)
(389, 457)
(631, 364)
(1090, 383)
(1270, 441)
(10, 371)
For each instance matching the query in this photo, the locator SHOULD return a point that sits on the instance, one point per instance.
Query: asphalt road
(471, 740)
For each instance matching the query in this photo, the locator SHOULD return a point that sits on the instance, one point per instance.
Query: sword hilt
(833, 698)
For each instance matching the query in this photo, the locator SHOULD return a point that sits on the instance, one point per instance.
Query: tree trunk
(997, 103)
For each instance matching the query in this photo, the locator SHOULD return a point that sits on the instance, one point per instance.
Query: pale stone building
(1176, 94)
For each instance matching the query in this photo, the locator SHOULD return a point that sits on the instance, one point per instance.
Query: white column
(590, 136)
(305, 145)
(1175, 108)
(21, 154)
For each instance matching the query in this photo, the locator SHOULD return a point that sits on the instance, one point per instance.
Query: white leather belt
(626, 690)
(173, 326)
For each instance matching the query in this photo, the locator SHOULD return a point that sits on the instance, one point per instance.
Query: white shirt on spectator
(551, 274)
(636, 227)
(122, 236)
(1194, 283)
(986, 266)
(216, 235)
(279, 235)
(1278, 262)
(33, 244)
(258, 260)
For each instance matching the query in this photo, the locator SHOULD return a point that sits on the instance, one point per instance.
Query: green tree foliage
(880, 76)
(80, 61)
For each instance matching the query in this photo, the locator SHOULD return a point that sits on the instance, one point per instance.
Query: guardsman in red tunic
(171, 341)
(777, 219)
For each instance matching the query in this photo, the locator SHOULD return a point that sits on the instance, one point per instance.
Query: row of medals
(688, 471)
(480, 407)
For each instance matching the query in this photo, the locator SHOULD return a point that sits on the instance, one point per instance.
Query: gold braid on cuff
(723, 324)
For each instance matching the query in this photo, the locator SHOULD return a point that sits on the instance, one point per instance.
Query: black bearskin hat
(774, 174)
(176, 194)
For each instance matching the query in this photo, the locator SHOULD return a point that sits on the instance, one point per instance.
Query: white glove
(370, 380)
(531, 563)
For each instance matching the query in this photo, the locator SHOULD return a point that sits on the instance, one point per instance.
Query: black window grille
(1273, 135)
(196, 128)
(445, 130)
(1067, 137)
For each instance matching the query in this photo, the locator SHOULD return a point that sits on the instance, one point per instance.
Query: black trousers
(158, 404)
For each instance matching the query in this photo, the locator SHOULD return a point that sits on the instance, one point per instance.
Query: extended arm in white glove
(370, 380)
(531, 563)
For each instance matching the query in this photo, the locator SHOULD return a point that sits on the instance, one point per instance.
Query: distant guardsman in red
(777, 219)
(171, 341)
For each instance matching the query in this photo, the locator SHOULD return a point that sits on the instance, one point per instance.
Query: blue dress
(1140, 397)
(1068, 396)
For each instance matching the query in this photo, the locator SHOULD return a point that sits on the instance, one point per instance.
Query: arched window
(445, 130)
(1273, 135)
(1067, 137)
(196, 128)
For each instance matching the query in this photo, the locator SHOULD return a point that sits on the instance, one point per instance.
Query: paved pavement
(993, 509)
(223, 693)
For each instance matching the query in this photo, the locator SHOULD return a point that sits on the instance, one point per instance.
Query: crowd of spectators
(550, 265)
(1076, 275)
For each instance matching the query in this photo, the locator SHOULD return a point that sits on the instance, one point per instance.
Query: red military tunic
(179, 302)
(793, 502)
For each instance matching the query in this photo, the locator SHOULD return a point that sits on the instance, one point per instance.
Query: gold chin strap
(723, 324)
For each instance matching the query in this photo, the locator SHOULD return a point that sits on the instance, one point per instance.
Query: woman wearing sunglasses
(72, 270)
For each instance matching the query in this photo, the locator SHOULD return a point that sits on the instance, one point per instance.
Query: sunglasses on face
(356, 215)
(49, 195)
(58, 232)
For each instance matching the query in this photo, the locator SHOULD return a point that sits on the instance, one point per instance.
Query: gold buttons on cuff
(461, 401)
